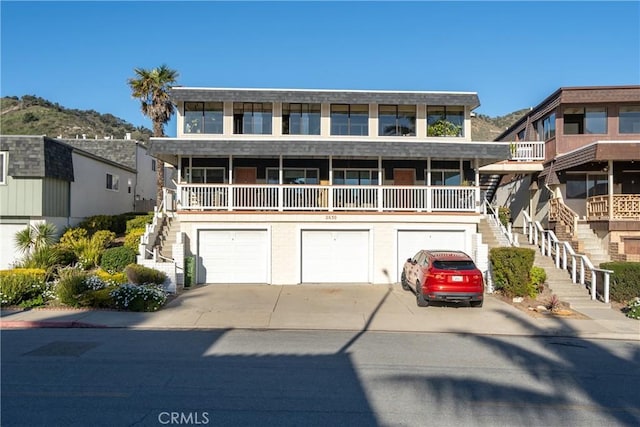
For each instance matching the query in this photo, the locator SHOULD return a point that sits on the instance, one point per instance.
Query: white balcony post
(610, 188)
(380, 182)
(280, 189)
(429, 189)
(330, 198)
(230, 195)
(476, 167)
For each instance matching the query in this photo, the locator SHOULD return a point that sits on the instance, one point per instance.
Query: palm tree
(35, 237)
(151, 87)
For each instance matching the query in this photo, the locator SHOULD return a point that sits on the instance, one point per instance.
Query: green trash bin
(189, 271)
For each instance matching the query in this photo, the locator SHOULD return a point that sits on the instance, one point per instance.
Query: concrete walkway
(330, 307)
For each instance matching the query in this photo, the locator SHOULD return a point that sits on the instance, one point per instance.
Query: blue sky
(513, 54)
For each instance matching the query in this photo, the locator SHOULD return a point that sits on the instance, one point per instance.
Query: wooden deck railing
(560, 212)
(375, 198)
(625, 207)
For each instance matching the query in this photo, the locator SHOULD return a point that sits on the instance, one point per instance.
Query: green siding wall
(21, 197)
(55, 197)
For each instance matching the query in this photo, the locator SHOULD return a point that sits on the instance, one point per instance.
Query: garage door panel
(233, 256)
(335, 256)
(412, 241)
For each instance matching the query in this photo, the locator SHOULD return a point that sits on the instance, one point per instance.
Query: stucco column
(610, 190)
(230, 195)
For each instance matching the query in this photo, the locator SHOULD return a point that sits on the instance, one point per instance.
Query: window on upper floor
(585, 120)
(445, 121)
(547, 127)
(292, 176)
(396, 120)
(3, 167)
(252, 118)
(349, 119)
(629, 119)
(581, 185)
(203, 175)
(300, 119)
(113, 182)
(355, 177)
(203, 117)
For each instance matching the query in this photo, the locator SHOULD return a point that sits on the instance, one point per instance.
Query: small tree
(443, 127)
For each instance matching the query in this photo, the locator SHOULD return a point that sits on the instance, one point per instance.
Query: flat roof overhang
(168, 149)
(201, 94)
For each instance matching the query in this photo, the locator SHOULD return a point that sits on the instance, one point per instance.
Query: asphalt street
(232, 377)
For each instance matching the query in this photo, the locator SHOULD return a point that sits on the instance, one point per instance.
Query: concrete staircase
(591, 245)
(491, 234)
(559, 281)
(167, 236)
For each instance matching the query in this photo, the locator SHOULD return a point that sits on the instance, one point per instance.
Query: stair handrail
(551, 246)
(512, 238)
(564, 214)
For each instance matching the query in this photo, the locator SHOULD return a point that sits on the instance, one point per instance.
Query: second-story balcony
(358, 198)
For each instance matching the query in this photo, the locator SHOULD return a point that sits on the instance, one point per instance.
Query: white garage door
(8, 251)
(411, 241)
(233, 256)
(335, 256)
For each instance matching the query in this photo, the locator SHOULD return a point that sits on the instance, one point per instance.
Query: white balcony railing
(527, 151)
(383, 198)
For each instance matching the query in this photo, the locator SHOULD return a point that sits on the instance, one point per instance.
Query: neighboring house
(283, 186)
(591, 170)
(47, 180)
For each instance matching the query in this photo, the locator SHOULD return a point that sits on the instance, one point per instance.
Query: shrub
(103, 238)
(98, 222)
(116, 259)
(625, 280)
(633, 309)
(140, 275)
(44, 258)
(504, 214)
(99, 298)
(139, 222)
(73, 235)
(21, 285)
(511, 269)
(71, 284)
(538, 277)
(118, 278)
(139, 298)
(132, 239)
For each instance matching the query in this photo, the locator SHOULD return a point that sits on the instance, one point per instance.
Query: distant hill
(485, 128)
(31, 115)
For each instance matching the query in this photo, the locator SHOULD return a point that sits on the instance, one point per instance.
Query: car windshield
(454, 265)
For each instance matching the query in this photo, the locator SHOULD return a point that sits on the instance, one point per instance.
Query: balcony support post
(380, 182)
(610, 188)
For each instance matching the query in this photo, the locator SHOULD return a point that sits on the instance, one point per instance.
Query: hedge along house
(47, 180)
(283, 186)
(591, 171)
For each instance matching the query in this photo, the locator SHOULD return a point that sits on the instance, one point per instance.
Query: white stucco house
(283, 186)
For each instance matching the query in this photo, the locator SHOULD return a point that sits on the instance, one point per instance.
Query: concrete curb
(31, 324)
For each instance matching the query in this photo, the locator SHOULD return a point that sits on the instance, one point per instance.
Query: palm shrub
(35, 237)
(45, 257)
(116, 259)
(21, 285)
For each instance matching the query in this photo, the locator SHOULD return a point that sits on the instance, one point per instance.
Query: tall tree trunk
(158, 131)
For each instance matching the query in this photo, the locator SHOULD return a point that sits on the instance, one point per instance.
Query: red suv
(443, 276)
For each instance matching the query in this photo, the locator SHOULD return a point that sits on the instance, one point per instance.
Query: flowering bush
(633, 308)
(139, 298)
(26, 286)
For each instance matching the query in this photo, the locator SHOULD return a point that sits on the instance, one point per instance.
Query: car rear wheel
(475, 304)
(403, 282)
(420, 299)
